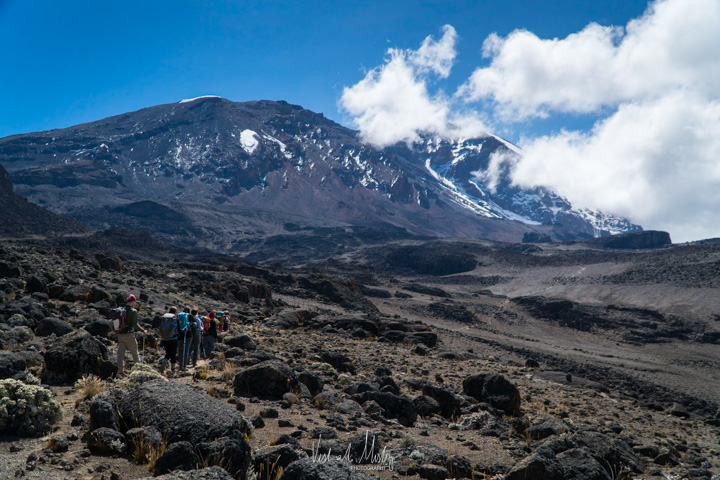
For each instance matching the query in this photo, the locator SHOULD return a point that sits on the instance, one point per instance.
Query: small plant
(227, 372)
(320, 402)
(202, 373)
(408, 442)
(89, 386)
(270, 471)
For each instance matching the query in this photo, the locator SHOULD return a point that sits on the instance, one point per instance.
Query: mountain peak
(246, 169)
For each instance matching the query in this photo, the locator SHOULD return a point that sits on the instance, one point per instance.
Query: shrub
(26, 410)
(89, 386)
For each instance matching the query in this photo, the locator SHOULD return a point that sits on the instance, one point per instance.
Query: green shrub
(26, 410)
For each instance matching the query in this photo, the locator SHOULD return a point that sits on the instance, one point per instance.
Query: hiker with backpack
(126, 325)
(210, 332)
(168, 333)
(184, 336)
(196, 326)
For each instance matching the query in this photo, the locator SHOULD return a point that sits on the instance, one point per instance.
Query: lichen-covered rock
(26, 410)
(179, 412)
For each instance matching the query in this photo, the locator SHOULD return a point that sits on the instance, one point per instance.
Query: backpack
(193, 326)
(207, 324)
(119, 318)
(168, 327)
(182, 322)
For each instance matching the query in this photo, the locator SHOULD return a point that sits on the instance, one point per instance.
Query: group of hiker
(185, 336)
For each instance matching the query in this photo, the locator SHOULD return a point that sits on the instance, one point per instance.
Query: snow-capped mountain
(210, 171)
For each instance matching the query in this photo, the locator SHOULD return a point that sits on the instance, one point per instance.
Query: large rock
(177, 456)
(587, 455)
(270, 379)
(210, 473)
(10, 364)
(332, 469)
(54, 325)
(229, 453)
(180, 412)
(75, 355)
(496, 390)
(106, 441)
(448, 401)
(269, 459)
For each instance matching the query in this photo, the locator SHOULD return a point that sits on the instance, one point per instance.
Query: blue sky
(77, 61)
(615, 104)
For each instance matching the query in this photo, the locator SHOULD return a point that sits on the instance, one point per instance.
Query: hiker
(197, 329)
(210, 332)
(127, 327)
(226, 323)
(184, 337)
(167, 332)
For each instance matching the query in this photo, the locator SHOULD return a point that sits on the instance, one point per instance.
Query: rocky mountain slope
(20, 218)
(421, 359)
(210, 172)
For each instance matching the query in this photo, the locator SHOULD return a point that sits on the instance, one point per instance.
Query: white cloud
(655, 162)
(670, 47)
(654, 156)
(392, 103)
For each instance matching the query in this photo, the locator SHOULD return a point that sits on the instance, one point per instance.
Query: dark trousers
(170, 347)
(185, 341)
(194, 349)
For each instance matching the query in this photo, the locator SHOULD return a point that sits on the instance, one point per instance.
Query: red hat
(212, 314)
(130, 298)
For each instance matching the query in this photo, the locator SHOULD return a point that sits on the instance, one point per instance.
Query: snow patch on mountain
(249, 141)
(188, 100)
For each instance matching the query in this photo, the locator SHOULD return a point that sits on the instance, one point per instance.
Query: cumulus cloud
(653, 155)
(393, 104)
(668, 48)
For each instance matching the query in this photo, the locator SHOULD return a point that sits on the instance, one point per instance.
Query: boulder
(210, 473)
(426, 406)
(75, 355)
(98, 328)
(267, 460)
(108, 261)
(339, 361)
(270, 379)
(145, 439)
(229, 453)
(448, 401)
(312, 381)
(103, 414)
(241, 341)
(36, 285)
(106, 441)
(496, 390)
(179, 412)
(11, 363)
(332, 469)
(54, 325)
(177, 456)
